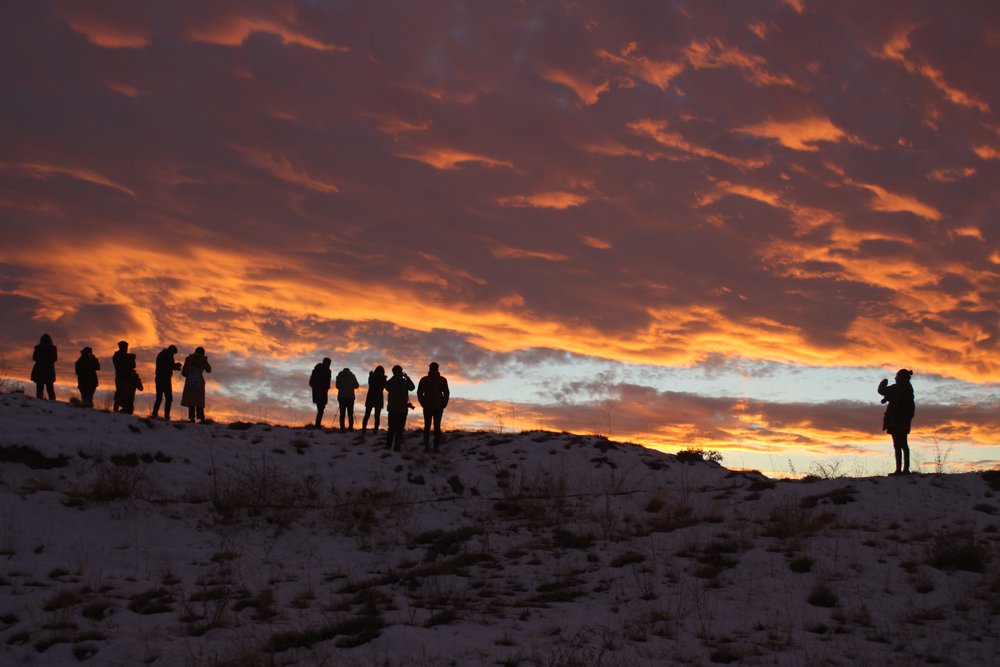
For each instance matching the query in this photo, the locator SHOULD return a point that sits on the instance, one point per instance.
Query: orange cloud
(556, 199)
(42, 170)
(510, 252)
(894, 203)
(658, 73)
(124, 89)
(799, 135)
(449, 158)
(987, 152)
(282, 168)
(714, 53)
(657, 130)
(110, 36)
(234, 30)
(587, 91)
(596, 243)
(897, 49)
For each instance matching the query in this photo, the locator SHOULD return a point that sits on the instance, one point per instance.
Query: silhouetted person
(132, 384)
(432, 393)
(194, 369)
(164, 380)
(86, 376)
(398, 389)
(43, 373)
(122, 372)
(320, 383)
(374, 399)
(346, 384)
(898, 415)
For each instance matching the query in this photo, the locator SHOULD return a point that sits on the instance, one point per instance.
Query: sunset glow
(680, 224)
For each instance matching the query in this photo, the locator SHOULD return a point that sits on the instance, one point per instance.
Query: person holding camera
(319, 382)
(898, 415)
(164, 380)
(398, 389)
(194, 369)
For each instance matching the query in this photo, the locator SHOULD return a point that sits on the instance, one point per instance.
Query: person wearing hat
(123, 373)
(432, 393)
(898, 415)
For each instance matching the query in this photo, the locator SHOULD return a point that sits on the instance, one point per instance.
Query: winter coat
(398, 389)
(86, 371)
(165, 367)
(347, 382)
(44, 370)
(195, 367)
(899, 412)
(320, 383)
(432, 392)
(122, 364)
(376, 387)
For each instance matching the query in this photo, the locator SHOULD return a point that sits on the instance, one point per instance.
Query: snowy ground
(126, 541)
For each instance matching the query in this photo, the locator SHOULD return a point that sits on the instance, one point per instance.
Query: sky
(681, 224)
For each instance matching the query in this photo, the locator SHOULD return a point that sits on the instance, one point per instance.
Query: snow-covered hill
(126, 541)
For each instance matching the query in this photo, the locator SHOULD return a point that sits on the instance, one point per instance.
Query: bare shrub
(258, 487)
(958, 550)
(692, 455)
(114, 482)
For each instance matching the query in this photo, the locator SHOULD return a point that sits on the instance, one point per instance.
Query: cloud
(801, 135)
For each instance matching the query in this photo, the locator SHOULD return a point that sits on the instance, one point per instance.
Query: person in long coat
(86, 376)
(163, 378)
(194, 369)
(346, 383)
(319, 381)
(374, 400)
(898, 415)
(398, 389)
(123, 373)
(433, 394)
(43, 372)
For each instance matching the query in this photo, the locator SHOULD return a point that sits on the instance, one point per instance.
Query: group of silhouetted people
(392, 393)
(127, 380)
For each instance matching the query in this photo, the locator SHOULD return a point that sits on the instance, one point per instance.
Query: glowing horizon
(672, 224)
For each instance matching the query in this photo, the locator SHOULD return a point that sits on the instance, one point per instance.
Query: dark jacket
(398, 389)
(194, 369)
(346, 384)
(45, 357)
(432, 391)
(320, 383)
(123, 367)
(86, 371)
(899, 412)
(376, 386)
(165, 367)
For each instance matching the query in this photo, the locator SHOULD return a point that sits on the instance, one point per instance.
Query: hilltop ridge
(128, 540)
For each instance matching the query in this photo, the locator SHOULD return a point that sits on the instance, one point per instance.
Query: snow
(171, 543)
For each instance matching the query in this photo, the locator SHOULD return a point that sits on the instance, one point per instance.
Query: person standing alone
(898, 415)
(433, 394)
(164, 379)
(319, 381)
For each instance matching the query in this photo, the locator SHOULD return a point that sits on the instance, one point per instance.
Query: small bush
(692, 455)
(958, 551)
(31, 457)
(822, 595)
